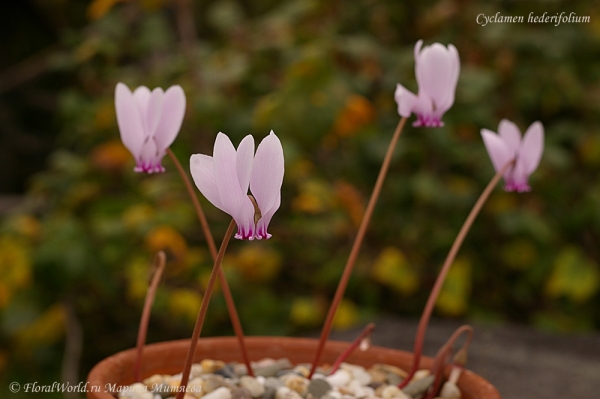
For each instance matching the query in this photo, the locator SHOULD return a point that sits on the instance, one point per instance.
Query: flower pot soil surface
(168, 358)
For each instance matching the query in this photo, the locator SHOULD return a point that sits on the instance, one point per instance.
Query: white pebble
(339, 378)
(219, 393)
(358, 373)
(286, 393)
(392, 391)
(136, 391)
(253, 386)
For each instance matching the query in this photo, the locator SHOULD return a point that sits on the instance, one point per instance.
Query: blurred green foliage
(77, 253)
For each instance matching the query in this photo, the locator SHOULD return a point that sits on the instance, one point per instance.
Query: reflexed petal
(142, 98)
(519, 177)
(129, 120)
(436, 75)
(244, 219)
(154, 110)
(510, 133)
(406, 101)
(417, 52)
(171, 117)
(496, 148)
(244, 161)
(532, 147)
(267, 172)
(146, 162)
(263, 223)
(230, 193)
(203, 173)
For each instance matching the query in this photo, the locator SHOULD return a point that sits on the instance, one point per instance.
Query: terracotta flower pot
(168, 358)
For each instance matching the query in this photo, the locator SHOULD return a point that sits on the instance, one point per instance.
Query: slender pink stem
(160, 261)
(341, 288)
(202, 313)
(365, 334)
(420, 337)
(233, 314)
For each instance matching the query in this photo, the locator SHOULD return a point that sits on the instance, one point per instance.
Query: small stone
(420, 374)
(302, 370)
(450, 391)
(287, 393)
(391, 391)
(296, 383)
(393, 375)
(136, 391)
(227, 371)
(196, 387)
(162, 390)
(240, 393)
(339, 378)
(196, 371)
(253, 386)
(271, 385)
(210, 366)
(270, 369)
(219, 393)
(358, 373)
(378, 376)
(213, 382)
(155, 379)
(318, 387)
(419, 386)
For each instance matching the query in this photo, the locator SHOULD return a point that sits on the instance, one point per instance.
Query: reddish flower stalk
(339, 294)
(364, 337)
(160, 261)
(202, 313)
(445, 351)
(233, 314)
(444, 272)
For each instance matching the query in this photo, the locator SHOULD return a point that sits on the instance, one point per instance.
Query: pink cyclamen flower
(507, 146)
(149, 121)
(437, 69)
(225, 177)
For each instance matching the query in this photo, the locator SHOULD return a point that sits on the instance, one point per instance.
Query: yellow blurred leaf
(45, 330)
(306, 312)
(315, 197)
(574, 276)
(166, 238)
(356, 113)
(351, 200)
(98, 8)
(257, 263)
(15, 268)
(138, 215)
(519, 254)
(454, 296)
(346, 316)
(392, 269)
(185, 303)
(137, 272)
(111, 156)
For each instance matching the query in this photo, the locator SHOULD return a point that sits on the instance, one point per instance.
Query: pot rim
(167, 358)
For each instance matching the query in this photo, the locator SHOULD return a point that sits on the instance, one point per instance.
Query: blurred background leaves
(77, 242)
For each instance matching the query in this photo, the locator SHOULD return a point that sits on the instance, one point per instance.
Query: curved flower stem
(339, 294)
(233, 314)
(439, 282)
(160, 261)
(445, 351)
(364, 335)
(202, 313)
